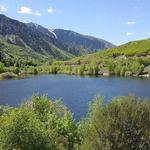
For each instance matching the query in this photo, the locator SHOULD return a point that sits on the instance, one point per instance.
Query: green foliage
(43, 124)
(4, 110)
(39, 124)
(92, 69)
(122, 124)
(35, 71)
(54, 69)
(81, 69)
(136, 68)
(128, 59)
(1, 67)
(19, 56)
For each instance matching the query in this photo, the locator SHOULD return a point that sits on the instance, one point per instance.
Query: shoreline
(11, 75)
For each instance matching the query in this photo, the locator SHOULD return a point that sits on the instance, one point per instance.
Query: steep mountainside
(57, 44)
(80, 43)
(27, 36)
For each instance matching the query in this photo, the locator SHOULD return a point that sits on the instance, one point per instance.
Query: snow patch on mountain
(52, 31)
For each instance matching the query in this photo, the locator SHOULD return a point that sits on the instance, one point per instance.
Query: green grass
(26, 53)
(16, 52)
(132, 49)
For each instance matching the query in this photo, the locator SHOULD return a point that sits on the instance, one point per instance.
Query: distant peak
(2, 15)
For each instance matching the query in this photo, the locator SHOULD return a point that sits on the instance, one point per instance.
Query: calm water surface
(75, 91)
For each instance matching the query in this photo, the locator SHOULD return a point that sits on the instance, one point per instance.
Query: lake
(75, 91)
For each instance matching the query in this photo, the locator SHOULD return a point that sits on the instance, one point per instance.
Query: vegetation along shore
(45, 124)
(131, 59)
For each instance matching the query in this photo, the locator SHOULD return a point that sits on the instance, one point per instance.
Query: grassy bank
(107, 67)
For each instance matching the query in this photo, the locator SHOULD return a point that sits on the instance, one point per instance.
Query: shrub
(39, 124)
(1, 67)
(124, 124)
(35, 71)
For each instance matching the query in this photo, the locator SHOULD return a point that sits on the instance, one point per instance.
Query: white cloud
(148, 33)
(129, 33)
(51, 10)
(3, 8)
(27, 10)
(130, 22)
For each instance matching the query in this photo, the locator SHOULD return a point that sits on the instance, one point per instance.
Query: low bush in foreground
(123, 124)
(38, 125)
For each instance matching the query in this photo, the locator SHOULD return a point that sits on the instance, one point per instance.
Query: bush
(40, 124)
(1, 67)
(81, 70)
(35, 71)
(124, 124)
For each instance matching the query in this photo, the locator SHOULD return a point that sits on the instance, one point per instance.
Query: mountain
(134, 49)
(28, 36)
(80, 44)
(46, 43)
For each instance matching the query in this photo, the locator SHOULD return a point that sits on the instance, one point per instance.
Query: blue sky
(117, 21)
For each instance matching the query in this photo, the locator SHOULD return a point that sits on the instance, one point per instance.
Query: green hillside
(16, 52)
(132, 49)
(12, 52)
(131, 59)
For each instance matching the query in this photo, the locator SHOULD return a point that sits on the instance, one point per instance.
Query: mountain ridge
(44, 42)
